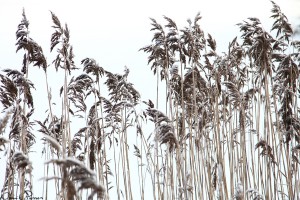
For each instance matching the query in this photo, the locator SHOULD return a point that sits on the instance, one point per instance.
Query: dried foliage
(90, 66)
(61, 35)
(19, 160)
(76, 173)
(267, 150)
(206, 139)
(120, 89)
(165, 131)
(33, 52)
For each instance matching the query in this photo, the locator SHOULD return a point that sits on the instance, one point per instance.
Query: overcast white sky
(113, 31)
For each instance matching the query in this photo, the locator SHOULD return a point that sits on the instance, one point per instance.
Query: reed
(227, 126)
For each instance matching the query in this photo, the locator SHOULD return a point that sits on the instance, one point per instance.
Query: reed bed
(227, 127)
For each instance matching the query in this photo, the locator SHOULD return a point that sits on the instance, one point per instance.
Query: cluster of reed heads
(228, 126)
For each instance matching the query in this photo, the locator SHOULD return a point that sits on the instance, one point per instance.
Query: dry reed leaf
(267, 150)
(53, 142)
(20, 160)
